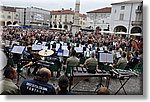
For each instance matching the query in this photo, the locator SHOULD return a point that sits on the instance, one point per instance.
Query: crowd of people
(125, 50)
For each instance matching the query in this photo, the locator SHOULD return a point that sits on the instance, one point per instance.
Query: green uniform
(8, 87)
(72, 61)
(91, 62)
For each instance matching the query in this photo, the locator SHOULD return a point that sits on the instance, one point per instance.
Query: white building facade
(99, 18)
(34, 16)
(8, 16)
(127, 17)
(65, 18)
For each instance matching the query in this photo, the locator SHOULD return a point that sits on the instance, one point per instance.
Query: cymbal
(46, 52)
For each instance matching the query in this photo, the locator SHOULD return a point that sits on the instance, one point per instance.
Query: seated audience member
(39, 85)
(8, 86)
(63, 83)
(91, 63)
(103, 91)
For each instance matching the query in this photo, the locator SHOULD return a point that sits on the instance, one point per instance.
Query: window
(55, 16)
(122, 7)
(102, 21)
(65, 18)
(115, 11)
(2, 16)
(9, 17)
(139, 8)
(121, 17)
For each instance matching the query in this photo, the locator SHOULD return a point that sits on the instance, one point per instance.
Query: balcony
(137, 23)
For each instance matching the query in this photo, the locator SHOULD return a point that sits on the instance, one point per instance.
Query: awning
(107, 32)
(121, 33)
(136, 34)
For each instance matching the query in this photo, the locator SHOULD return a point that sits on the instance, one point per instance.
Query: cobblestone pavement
(133, 87)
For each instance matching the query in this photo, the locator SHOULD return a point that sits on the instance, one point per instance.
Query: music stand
(18, 50)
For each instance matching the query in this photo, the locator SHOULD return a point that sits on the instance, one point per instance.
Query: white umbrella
(16, 25)
(11, 25)
(107, 32)
(136, 34)
(123, 33)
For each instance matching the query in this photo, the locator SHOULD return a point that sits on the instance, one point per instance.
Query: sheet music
(86, 53)
(18, 49)
(109, 58)
(65, 44)
(7, 42)
(57, 46)
(65, 47)
(36, 47)
(101, 51)
(105, 48)
(118, 54)
(66, 53)
(73, 44)
(44, 43)
(14, 42)
(103, 57)
(50, 46)
(62, 43)
(90, 46)
(60, 53)
(52, 42)
(78, 49)
(82, 46)
(106, 57)
(45, 47)
(101, 48)
(36, 41)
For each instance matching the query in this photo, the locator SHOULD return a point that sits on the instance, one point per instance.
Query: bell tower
(75, 25)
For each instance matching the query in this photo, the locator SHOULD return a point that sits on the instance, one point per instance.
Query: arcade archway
(136, 30)
(120, 29)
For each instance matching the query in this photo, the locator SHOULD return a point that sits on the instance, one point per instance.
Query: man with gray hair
(39, 85)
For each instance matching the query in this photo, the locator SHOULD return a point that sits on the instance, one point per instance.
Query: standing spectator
(8, 86)
(39, 85)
